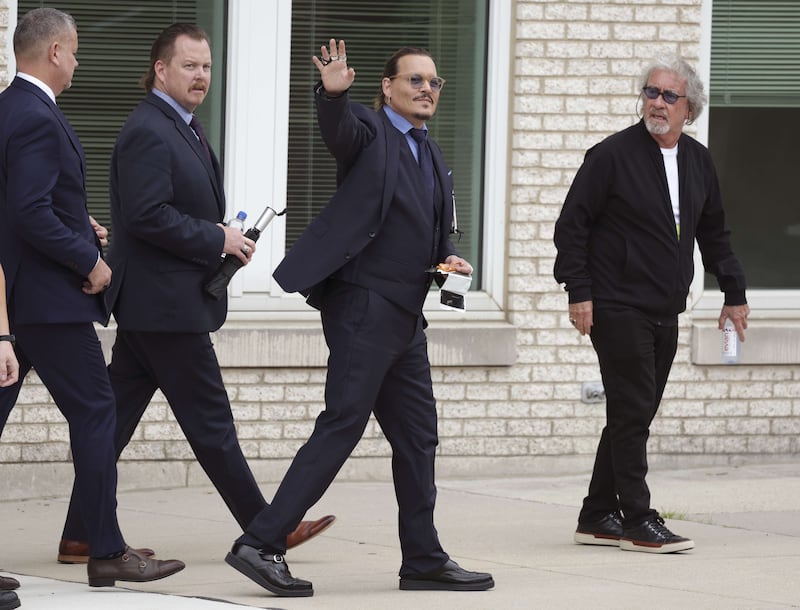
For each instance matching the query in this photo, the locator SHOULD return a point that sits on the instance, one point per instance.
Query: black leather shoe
(653, 536)
(604, 532)
(8, 584)
(268, 570)
(131, 566)
(450, 577)
(8, 600)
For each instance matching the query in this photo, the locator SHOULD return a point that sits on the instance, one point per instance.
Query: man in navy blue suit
(167, 206)
(55, 278)
(363, 263)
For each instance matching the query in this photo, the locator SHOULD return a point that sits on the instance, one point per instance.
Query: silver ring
(334, 58)
(341, 58)
(246, 249)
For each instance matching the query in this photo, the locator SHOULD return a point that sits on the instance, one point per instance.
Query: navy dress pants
(185, 367)
(378, 363)
(69, 360)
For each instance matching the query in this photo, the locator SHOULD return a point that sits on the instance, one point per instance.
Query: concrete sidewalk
(745, 522)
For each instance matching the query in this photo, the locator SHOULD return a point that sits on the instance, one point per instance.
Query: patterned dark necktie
(425, 159)
(198, 129)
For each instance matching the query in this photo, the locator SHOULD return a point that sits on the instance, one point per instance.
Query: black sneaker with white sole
(603, 532)
(653, 536)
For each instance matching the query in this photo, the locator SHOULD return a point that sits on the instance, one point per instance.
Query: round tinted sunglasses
(652, 93)
(417, 80)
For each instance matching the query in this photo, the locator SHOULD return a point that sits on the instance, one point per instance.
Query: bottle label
(729, 343)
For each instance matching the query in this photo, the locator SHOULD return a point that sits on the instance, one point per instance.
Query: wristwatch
(10, 338)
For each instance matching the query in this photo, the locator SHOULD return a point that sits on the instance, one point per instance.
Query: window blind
(114, 41)
(755, 53)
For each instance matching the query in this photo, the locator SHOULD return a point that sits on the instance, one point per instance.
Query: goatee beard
(656, 128)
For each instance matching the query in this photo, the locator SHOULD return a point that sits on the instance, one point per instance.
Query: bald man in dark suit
(55, 278)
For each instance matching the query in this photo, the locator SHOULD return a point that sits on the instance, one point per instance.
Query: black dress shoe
(268, 570)
(131, 566)
(8, 600)
(450, 577)
(8, 584)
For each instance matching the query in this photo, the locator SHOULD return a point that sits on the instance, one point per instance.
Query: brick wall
(4, 16)
(574, 82)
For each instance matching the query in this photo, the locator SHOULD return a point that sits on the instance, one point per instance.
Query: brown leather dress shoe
(131, 566)
(8, 584)
(307, 530)
(77, 551)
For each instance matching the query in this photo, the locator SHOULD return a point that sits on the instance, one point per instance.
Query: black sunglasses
(652, 93)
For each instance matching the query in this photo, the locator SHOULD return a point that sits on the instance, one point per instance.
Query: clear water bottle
(217, 286)
(731, 345)
(238, 221)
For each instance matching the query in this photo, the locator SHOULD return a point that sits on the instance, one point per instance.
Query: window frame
(774, 329)
(705, 302)
(252, 169)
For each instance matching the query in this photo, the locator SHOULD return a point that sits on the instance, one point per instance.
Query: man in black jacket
(625, 241)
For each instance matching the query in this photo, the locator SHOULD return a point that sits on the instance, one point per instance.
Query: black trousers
(69, 360)
(635, 355)
(378, 364)
(184, 367)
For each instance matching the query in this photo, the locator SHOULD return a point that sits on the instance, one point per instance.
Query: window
(114, 41)
(263, 80)
(754, 128)
(455, 32)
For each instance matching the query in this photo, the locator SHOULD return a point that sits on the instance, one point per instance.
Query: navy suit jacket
(166, 199)
(367, 150)
(47, 246)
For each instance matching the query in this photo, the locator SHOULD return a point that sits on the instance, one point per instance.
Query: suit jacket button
(371, 234)
(347, 256)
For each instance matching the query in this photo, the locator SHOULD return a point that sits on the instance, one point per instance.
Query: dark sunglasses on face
(652, 93)
(417, 80)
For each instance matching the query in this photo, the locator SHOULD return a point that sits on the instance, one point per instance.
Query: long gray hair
(695, 93)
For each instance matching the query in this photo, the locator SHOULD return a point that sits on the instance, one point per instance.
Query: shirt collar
(400, 123)
(184, 114)
(41, 84)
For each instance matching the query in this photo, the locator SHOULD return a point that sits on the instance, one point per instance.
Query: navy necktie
(425, 159)
(198, 129)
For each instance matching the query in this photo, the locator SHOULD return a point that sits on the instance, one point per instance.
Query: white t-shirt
(671, 167)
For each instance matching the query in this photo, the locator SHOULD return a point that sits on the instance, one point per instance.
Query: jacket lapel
(212, 167)
(73, 137)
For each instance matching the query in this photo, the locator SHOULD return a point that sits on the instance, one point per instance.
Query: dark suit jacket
(47, 245)
(166, 198)
(367, 150)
